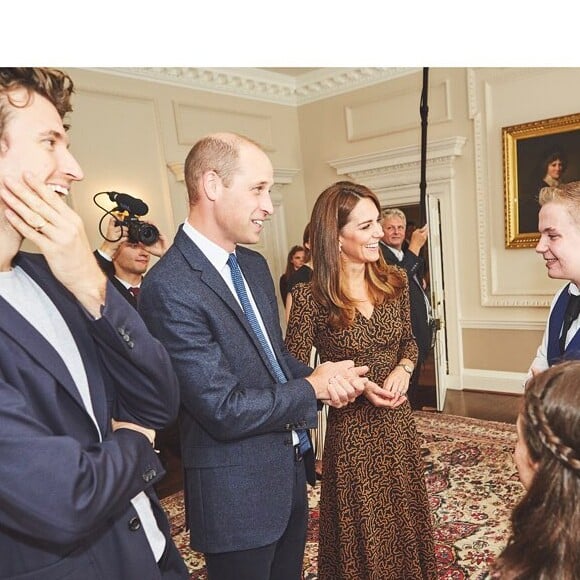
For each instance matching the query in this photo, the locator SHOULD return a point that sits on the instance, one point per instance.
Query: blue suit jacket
(235, 420)
(65, 496)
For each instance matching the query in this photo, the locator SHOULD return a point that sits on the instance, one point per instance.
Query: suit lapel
(388, 254)
(38, 348)
(208, 274)
(45, 354)
(213, 280)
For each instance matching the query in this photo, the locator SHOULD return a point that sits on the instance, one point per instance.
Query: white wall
(126, 132)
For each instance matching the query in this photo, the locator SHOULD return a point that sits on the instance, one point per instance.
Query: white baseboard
(493, 381)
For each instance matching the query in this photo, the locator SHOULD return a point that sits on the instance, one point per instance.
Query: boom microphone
(128, 203)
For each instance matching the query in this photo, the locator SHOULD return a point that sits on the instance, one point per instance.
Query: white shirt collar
(214, 253)
(399, 253)
(127, 285)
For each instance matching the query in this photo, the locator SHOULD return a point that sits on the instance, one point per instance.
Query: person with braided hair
(545, 538)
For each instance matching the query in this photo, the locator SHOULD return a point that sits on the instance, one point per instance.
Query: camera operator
(126, 262)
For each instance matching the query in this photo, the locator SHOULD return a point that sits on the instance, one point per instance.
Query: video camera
(137, 231)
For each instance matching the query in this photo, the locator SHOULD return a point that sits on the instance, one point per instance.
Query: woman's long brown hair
(330, 214)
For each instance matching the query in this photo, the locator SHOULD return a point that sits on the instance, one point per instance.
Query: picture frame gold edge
(510, 135)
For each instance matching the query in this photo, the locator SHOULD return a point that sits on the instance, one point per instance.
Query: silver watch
(408, 368)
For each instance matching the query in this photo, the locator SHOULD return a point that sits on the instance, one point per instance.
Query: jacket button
(134, 524)
(149, 475)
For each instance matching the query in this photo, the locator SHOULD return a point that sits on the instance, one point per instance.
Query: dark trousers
(282, 560)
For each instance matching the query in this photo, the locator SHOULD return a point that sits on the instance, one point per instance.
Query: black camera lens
(148, 234)
(139, 232)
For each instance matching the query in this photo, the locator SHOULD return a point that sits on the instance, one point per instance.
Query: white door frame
(437, 298)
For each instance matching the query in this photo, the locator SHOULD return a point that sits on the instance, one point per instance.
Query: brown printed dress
(375, 522)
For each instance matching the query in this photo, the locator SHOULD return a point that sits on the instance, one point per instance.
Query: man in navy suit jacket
(395, 253)
(83, 385)
(125, 263)
(245, 478)
(558, 246)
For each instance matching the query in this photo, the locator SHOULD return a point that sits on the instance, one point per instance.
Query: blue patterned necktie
(238, 281)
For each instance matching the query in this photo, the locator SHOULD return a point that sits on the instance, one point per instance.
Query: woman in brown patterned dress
(375, 522)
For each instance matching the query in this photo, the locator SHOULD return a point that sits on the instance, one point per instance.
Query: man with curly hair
(83, 385)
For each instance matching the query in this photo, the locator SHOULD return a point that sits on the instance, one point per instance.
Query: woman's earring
(339, 248)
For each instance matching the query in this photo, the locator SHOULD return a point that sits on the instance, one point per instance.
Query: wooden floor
(483, 405)
(476, 404)
(466, 403)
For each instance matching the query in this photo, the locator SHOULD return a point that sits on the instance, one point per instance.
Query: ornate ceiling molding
(261, 85)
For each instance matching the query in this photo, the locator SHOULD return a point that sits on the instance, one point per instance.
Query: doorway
(427, 395)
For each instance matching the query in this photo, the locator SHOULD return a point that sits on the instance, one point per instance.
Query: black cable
(108, 212)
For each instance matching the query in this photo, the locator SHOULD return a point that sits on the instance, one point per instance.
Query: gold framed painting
(535, 155)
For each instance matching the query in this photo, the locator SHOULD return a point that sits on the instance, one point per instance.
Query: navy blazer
(109, 269)
(235, 420)
(65, 496)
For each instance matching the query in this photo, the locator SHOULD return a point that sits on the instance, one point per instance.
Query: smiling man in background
(409, 258)
(125, 262)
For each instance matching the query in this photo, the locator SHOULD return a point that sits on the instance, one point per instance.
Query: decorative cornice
(441, 149)
(261, 85)
(400, 167)
(285, 176)
(177, 168)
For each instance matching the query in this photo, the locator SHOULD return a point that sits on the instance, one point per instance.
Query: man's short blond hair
(567, 194)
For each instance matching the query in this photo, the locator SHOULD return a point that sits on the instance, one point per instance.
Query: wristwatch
(408, 368)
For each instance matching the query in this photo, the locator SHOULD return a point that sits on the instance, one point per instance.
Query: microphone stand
(424, 111)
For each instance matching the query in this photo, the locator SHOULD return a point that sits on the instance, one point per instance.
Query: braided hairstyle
(545, 540)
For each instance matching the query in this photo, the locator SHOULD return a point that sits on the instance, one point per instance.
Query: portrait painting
(535, 155)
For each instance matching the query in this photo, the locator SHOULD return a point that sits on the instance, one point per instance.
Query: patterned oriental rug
(472, 483)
